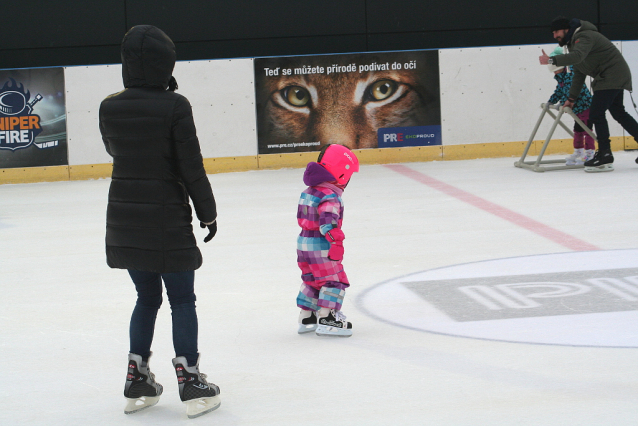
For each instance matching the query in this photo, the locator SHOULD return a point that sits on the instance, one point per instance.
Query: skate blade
(306, 328)
(324, 330)
(135, 405)
(200, 406)
(603, 168)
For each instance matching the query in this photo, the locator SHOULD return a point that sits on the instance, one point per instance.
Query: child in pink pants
(584, 145)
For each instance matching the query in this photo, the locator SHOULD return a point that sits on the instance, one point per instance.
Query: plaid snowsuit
(319, 210)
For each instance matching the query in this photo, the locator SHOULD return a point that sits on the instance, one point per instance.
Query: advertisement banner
(365, 100)
(32, 118)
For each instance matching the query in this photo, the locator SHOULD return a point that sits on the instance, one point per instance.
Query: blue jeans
(181, 296)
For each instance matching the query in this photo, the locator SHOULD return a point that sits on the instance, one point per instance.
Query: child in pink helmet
(320, 243)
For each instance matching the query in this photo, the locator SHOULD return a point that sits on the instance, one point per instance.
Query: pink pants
(324, 281)
(582, 138)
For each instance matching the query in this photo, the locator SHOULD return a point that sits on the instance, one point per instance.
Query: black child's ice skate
(307, 321)
(141, 389)
(333, 323)
(199, 396)
(602, 162)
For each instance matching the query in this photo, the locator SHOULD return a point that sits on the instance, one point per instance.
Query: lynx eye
(383, 89)
(296, 96)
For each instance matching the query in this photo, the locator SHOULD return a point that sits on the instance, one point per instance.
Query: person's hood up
(578, 26)
(148, 57)
(316, 174)
(584, 25)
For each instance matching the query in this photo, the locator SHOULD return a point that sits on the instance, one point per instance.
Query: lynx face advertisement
(365, 100)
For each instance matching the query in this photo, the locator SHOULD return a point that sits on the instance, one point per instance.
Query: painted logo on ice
(576, 299)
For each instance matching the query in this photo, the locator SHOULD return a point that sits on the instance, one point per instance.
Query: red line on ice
(536, 227)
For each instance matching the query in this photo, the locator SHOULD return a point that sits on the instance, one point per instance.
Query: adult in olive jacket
(157, 163)
(592, 54)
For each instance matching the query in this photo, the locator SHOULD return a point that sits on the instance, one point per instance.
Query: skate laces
(151, 376)
(202, 377)
(339, 316)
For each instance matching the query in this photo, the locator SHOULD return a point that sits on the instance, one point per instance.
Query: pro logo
(576, 299)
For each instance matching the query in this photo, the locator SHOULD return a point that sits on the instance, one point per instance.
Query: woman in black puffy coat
(149, 131)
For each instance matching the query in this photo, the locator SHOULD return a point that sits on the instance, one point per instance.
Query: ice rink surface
(482, 294)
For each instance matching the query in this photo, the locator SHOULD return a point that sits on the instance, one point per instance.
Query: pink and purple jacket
(320, 208)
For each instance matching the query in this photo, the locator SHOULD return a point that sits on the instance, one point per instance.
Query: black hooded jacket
(157, 163)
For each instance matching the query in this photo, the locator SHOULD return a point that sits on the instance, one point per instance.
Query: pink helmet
(339, 161)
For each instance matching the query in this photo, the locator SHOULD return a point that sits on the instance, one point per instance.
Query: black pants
(611, 100)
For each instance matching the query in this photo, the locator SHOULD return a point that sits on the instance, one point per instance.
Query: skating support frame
(536, 165)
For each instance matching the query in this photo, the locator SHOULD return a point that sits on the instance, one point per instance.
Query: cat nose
(340, 139)
(351, 141)
(338, 133)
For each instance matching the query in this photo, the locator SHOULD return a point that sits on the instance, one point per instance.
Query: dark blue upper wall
(74, 32)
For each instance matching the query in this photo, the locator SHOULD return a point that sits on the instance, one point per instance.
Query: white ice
(64, 314)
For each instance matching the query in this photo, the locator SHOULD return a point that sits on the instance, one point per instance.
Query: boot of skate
(141, 389)
(199, 396)
(587, 155)
(332, 322)
(307, 321)
(602, 161)
(572, 160)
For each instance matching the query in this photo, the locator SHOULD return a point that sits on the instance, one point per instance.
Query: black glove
(212, 230)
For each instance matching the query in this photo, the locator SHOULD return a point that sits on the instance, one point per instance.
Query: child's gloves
(335, 237)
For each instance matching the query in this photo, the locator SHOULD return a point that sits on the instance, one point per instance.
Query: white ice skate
(199, 396)
(587, 155)
(307, 321)
(573, 159)
(141, 390)
(333, 323)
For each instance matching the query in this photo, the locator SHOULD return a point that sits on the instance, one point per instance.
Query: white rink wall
(221, 93)
(493, 94)
(488, 94)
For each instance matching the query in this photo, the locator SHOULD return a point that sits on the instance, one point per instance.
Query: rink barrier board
(300, 159)
(230, 164)
(512, 92)
(34, 174)
(90, 171)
